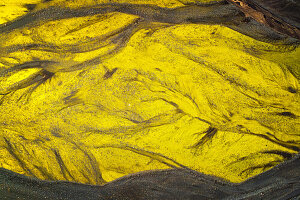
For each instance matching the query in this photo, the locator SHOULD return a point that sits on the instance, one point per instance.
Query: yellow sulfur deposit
(121, 99)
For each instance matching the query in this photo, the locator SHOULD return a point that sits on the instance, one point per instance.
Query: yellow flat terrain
(125, 98)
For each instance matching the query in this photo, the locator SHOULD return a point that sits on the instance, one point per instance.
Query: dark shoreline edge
(280, 182)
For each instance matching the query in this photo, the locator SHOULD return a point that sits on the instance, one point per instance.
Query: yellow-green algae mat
(198, 96)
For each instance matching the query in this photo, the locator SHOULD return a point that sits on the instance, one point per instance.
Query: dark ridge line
(63, 168)
(22, 164)
(208, 135)
(276, 141)
(144, 153)
(95, 166)
(262, 166)
(44, 172)
(284, 154)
